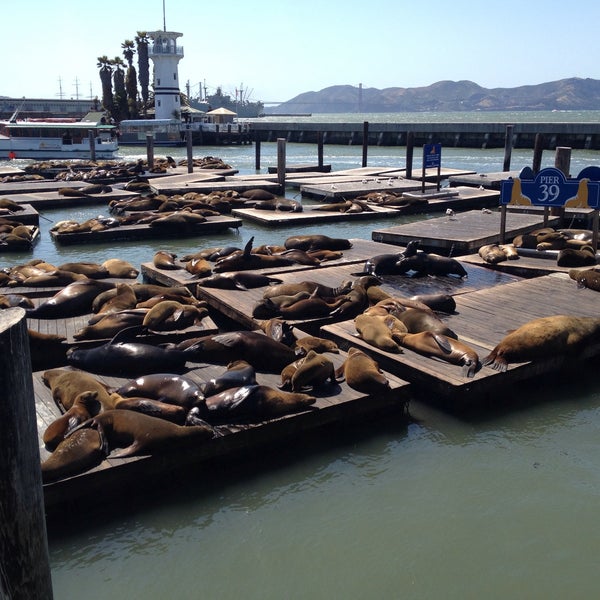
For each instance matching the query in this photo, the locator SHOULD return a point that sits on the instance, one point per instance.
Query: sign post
(432, 158)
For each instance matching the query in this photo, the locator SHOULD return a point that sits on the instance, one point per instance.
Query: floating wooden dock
(161, 186)
(463, 233)
(132, 233)
(482, 319)
(45, 200)
(27, 216)
(492, 181)
(335, 403)
(352, 189)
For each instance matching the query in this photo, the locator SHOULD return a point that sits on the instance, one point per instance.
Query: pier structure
(460, 135)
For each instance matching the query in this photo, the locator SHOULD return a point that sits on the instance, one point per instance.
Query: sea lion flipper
(442, 342)
(127, 334)
(248, 248)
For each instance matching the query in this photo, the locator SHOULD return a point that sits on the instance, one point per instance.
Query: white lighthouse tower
(166, 54)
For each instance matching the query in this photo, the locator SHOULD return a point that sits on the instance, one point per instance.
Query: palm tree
(104, 64)
(141, 40)
(130, 79)
(121, 111)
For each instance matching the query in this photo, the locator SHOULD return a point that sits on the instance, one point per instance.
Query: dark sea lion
(169, 388)
(317, 242)
(85, 406)
(571, 257)
(255, 403)
(247, 261)
(312, 370)
(279, 330)
(362, 373)
(308, 308)
(122, 357)
(165, 260)
(383, 264)
(47, 350)
(67, 384)
(428, 263)
(73, 300)
(443, 347)
(589, 278)
(244, 280)
(257, 194)
(79, 452)
(136, 433)
(437, 302)
(238, 374)
(544, 338)
(380, 331)
(262, 352)
(417, 320)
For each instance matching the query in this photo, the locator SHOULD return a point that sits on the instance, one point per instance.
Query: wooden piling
(92, 140)
(410, 147)
(24, 560)
(281, 164)
(320, 149)
(508, 139)
(538, 150)
(562, 161)
(150, 150)
(257, 150)
(190, 151)
(365, 144)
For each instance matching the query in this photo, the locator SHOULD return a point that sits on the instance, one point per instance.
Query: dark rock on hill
(566, 94)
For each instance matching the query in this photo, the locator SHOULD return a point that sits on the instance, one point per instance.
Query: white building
(166, 54)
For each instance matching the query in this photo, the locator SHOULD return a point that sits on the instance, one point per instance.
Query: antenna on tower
(76, 88)
(164, 17)
(60, 92)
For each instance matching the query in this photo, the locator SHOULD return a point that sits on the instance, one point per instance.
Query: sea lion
(198, 267)
(165, 260)
(73, 300)
(380, 331)
(122, 357)
(123, 299)
(417, 320)
(136, 433)
(362, 373)
(279, 330)
(169, 388)
(170, 315)
(544, 338)
(321, 290)
(153, 408)
(79, 452)
(47, 350)
(429, 263)
(589, 278)
(570, 257)
(262, 352)
(437, 302)
(255, 403)
(244, 280)
(237, 374)
(109, 324)
(117, 267)
(12, 300)
(312, 370)
(383, 264)
(441, 346)
(307, 343)
(492, 254)
(257, 194)
(91, 270)
(248, 261)
(67, 384)
(84, 407)
(317, 242)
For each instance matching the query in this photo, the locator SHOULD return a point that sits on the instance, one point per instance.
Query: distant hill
(566, 94)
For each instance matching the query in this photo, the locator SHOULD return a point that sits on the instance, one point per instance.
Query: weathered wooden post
(410, 147)
(365, 144)
(538, 150)
(92, 141)
(24, 560)
(281, 164)
(507, 147)
(190, 150)
(150, 150)
(320, 149)
(562, 161)
(257, 150)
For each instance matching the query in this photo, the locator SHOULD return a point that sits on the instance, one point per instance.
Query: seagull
(450, 214)
(364, 181)
(486, 211)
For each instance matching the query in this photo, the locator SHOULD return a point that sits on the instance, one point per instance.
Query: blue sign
(551, 188)
(432, 155)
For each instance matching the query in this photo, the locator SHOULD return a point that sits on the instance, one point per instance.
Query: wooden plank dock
(464, 233)
(52, 199)
(132, 233)
(238, 305)
(27, 216)
(335, 403)
(491, 181)
(482, 319)
(351, 189)
(161, 186)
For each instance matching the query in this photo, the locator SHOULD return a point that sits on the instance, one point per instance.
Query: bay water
(499, 502)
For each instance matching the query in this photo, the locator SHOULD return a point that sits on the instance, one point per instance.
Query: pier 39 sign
(551, 188)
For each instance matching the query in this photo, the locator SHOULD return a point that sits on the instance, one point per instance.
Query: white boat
(58, 138)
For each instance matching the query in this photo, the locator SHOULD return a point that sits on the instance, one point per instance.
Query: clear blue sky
(277, 49)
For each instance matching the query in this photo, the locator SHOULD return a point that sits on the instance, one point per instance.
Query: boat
(53, 138)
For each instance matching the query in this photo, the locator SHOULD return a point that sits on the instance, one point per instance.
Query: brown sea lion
(124, 299)
(12, 300)
(247, 260)
(136, 433)
(544, 338)
(237, 374)
(589, 278)
(312, 370)
(153, 408)
(117, 267)
(441, 346)
(165, 260)
(84, 407)
(91, 270)
(79, 452)
(279, 330)
(317, 242)
(170, 315)
(492, 254)
(255, 403)
(380, 331)
(67, 384)
(106, 326)
(362, 373)
(307, 343)
(198, 267)
(321, 290)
